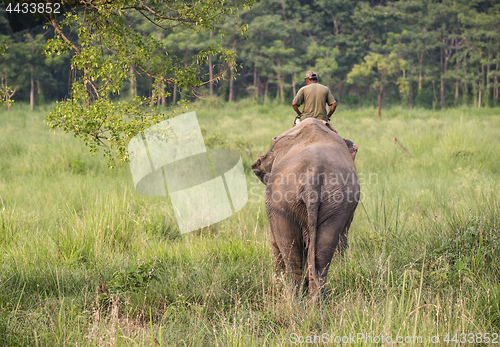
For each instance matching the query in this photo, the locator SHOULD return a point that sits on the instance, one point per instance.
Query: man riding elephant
(315, 97)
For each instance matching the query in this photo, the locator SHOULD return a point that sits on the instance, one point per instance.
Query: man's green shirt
(314, 96)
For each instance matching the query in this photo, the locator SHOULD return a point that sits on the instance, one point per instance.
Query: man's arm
(296, 109)
(332, 109)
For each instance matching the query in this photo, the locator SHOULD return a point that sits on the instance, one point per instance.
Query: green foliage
(3, 45)
(377, 71)
(450, 49)
(108, 45)
(77, 166)
(195, 49)
(471, 244)
(105, 123)
(135, 276)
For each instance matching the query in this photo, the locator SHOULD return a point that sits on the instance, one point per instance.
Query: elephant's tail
(312, 223)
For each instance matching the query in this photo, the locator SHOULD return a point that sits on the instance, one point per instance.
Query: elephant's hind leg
(287, 246)
(278, 259)
(328, 237)
(343, 244)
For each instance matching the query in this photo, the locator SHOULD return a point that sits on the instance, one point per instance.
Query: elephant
(312, 191)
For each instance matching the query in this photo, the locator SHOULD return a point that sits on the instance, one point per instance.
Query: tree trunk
(32, 89)
(293, 84)
(410, 96)
(335, 26)
(464, 87)
(488, 85)
(456, 92)
(283, 10)
(420, 58)
(379, 99)
(434, 91)
(281, 82)
(163, 99)
(481, 85)
(158, 96)
(152, 93)
(174, 101)
(445, 68)
(495, 85)
(474, 93)
(265, 91)
(442, 78)
(133, 85)
(211, 73)
(442, 91)
(255, 82)
(8, 96)
(231, 85)
(282, 90)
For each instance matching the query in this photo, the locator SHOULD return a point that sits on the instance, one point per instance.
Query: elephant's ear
(352, 147)
(259, 170)
(263, 166)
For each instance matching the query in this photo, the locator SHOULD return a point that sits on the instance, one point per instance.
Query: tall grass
(84, 260)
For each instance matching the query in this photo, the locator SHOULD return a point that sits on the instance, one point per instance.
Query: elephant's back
(330, 155)
(329, 165)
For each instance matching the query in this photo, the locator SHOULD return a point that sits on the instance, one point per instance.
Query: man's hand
(332, 109)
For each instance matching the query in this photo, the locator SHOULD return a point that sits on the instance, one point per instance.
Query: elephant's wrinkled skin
(312, 191)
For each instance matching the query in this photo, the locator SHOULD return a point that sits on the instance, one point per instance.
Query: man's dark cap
(311, 75)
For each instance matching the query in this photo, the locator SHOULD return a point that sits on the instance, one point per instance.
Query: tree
(324, 63)
(7, 63)
(412, 41)
(339, 40)
(449, 35)
(481, 48)
(278, 54)
(32, 50)
(379, 70)
(10, 70)
(3, 47)
(108, 45)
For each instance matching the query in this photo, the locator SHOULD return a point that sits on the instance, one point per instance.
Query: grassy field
(423, 260)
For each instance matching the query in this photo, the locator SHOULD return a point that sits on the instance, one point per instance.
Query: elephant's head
(263, 165)
(260, 170)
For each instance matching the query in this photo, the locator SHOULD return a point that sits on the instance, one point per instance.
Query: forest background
(425, 53)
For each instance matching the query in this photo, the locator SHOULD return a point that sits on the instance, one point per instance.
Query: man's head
(311, 77)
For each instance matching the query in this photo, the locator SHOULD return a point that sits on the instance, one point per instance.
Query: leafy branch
(108, 44)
